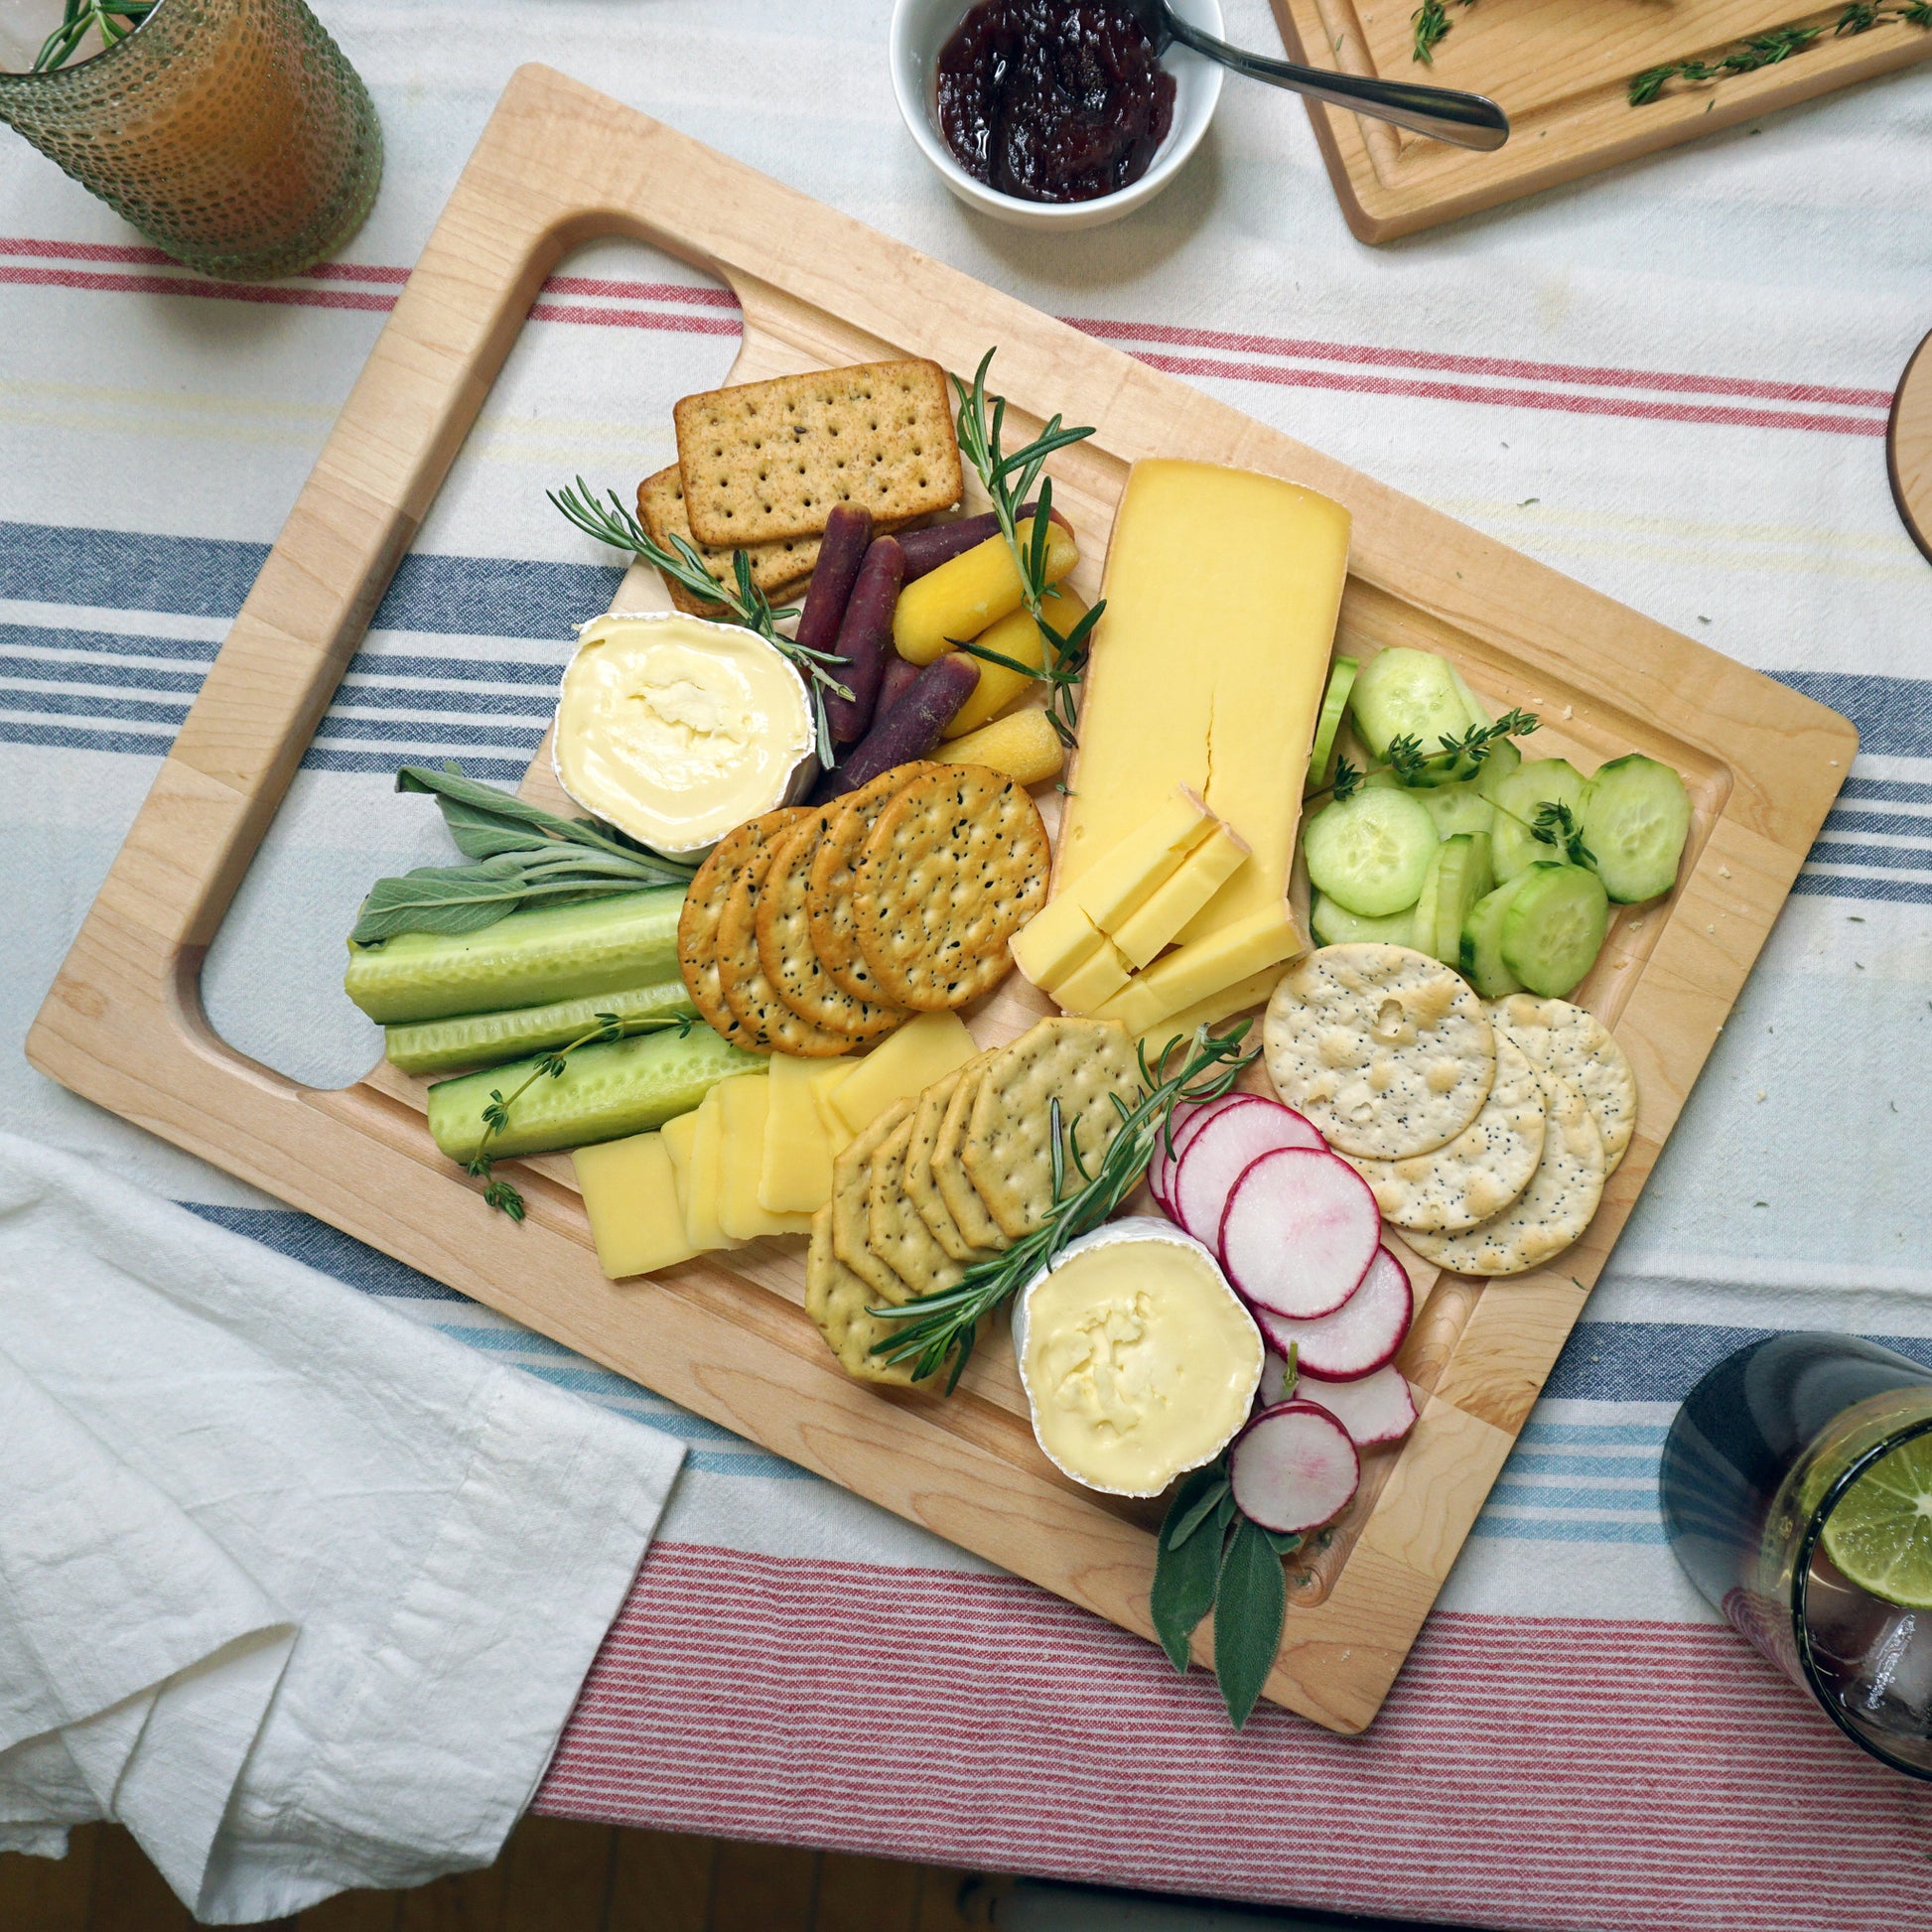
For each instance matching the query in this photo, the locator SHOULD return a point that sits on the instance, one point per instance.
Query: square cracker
(1008, 1149)
(838, 1303)
(762, 462)
(920, 1186)
(970, 1215)
(895, 1231)
(776, 567)
(852, 1209)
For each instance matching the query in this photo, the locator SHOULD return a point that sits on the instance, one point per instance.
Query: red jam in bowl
(1053, 101)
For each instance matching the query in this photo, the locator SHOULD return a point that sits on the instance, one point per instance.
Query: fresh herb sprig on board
(1008, 481)
(946, 1324)
(1431, 23)
(747, 604)
(1411, 763)
(521, 856)
(1210, 1557)
(1556, 824)
(498, 1193)
(117, 19)
(1776, 45)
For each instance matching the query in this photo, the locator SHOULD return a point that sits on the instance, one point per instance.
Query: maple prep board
(727, 1336)
(1561, 69)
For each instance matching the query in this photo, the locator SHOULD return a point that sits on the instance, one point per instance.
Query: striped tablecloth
(1671, 383)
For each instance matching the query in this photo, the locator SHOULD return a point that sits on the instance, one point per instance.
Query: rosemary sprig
(1412, 765)
(499, 1193)
(747, 604)
(945, 1324)
(116, 19)
(1778, 44)
(1008, 481)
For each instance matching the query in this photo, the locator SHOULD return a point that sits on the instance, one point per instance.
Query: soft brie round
(674, 730)
(1137, 1359)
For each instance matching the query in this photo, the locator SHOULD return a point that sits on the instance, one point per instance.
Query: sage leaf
(1208, 1502)
(1186, 1567)
(1250, 1602)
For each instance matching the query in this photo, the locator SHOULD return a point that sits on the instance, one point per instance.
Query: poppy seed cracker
(776, 567)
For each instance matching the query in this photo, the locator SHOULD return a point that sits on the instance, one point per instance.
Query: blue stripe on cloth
(65, 739)
(106, 643)
(324, 757)
(1897, 858)
(1838, 885)
(134, 677)
(1541, 1529)
(82, 704)
(1893, 714)
(416, 731)
(1899, 790)
(1526, 1495)
(360, 693)
(1904, 825)
(1659, 1361)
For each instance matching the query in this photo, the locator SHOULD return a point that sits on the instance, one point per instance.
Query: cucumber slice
(1458, 808)
(1335, 925)
(1635, 821)
(483, 1038)
(1335, 702)
(1423, 918)
(1482, 952)
(1501, 760)
(1553, 928)
(1463, 876)
(1519, 798)
(1369, 851)
(605, 1092)
(1478, 713)
(1411, 693)
(525, 959)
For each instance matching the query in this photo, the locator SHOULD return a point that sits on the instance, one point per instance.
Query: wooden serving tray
(1562, 69)
(726, 1336)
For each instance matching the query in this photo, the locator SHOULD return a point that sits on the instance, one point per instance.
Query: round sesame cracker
(1551, 1213)
(1480, 1173)
(699, 916)
(1573, 1044)
(1387, 1050)
(956, 865)
(741, 978)
(828, 901)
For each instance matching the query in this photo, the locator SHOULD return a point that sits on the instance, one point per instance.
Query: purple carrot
(915, 724)
(848, 530)
(894, 684)
(940, 543)
(865, 639)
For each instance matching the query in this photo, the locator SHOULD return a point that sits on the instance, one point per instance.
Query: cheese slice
(704, 1173)
(1208, 669)
(926, 1048)
(1196, 972)
(1181, 895)
(745, 1103)
(678, 1135)
(630, 1195)
(823, 1079)
(1057, 940)
(1123, 875)
(1102, 974)
(1210, 1011)
(796, 1178)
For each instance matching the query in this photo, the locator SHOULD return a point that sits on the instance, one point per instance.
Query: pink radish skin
(1293, 1468)
(1359, 1337)
(1188, 1117)
(1373, 1408)
(1300, 1231)
(1222, 1149)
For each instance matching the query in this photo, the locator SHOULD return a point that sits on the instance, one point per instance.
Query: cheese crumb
(1724, 871)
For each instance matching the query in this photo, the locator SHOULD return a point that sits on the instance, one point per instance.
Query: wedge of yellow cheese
(1209, 667)
(824, 1078)
(796, 1178)
(743, 1109)
(704, 1173)
(1182, 894)
(1097, 979)
(924, 1049)
(1057, 940)
(1196, 972)
(630, 1195)
(1210, 1011)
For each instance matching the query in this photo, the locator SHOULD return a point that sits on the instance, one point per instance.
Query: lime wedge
(1880, 1533)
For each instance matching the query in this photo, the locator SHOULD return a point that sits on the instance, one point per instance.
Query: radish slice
(1217, 1153)
(1293, 1468)
(1375, 1408)
(1300, 1231)
(1188, 1118)
(1359, 1337)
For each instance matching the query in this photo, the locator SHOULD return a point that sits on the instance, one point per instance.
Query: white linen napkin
(297, 1590)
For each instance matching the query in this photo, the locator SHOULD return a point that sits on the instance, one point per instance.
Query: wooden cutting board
(727, 1337)
(1562, 69)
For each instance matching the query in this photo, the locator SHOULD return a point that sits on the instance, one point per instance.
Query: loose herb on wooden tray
(946, 1324)
(1768, 48)
(747, 604)
(1432, 22)
(1411, 763)
(521, 856)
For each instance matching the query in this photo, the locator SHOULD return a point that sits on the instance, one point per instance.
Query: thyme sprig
(498, 1193)
(115, 19)
(1431, 22)
(1778, 44)
(741, 597)
(1008, 481)
(1556, 824)
(1413, 765)
(945, 1324)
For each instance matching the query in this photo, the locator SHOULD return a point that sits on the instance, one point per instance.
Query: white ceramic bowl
(921, 28)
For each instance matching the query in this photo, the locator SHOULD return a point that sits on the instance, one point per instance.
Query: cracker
(749, 994)
(1008, 1151)
(956, 865)
(1551, 1213)
(783, 930)
(895, 1231)
(1388, 1051)
(764, 461)
(970, 1215)
(776, 567)
(829, 899)
(852, 1207)
(1480, 1173)
(920, 1186)
(839, 1304)
(1571, 1043)
(699, 917)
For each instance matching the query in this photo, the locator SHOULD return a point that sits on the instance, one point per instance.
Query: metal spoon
(1443, 113)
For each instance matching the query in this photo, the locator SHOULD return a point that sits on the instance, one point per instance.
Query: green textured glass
(232, 133)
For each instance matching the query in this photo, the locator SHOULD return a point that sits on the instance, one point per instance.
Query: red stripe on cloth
(541, 311)
(1539, 1773)
(81, 278)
